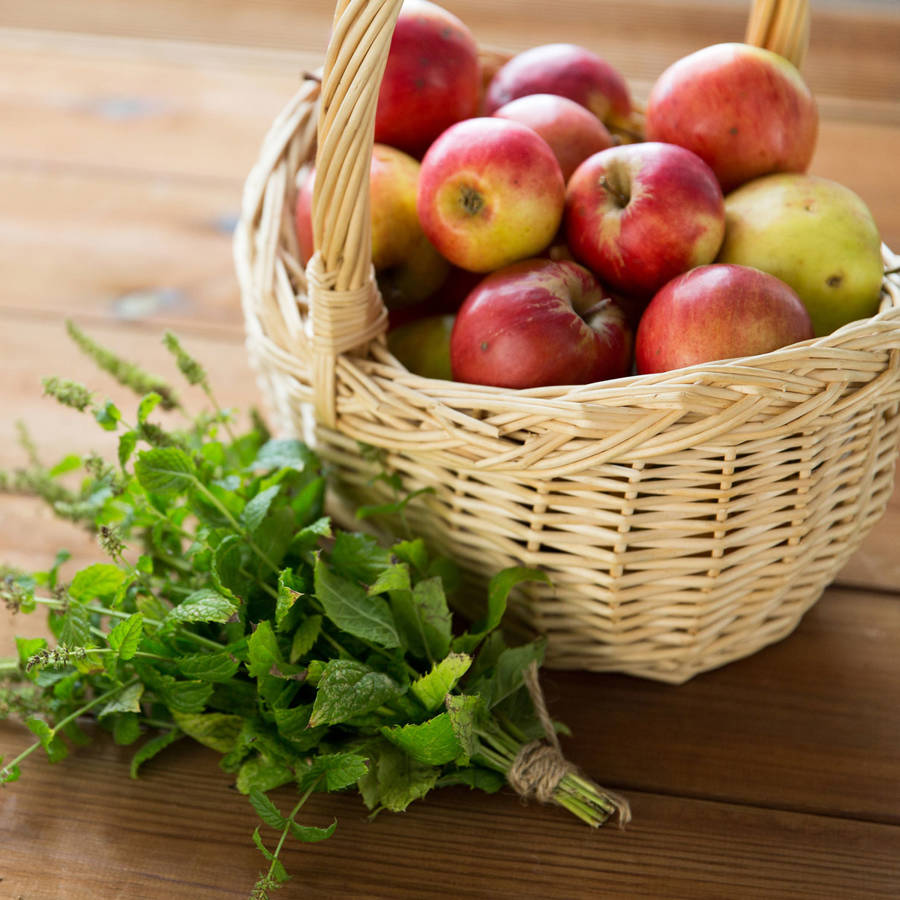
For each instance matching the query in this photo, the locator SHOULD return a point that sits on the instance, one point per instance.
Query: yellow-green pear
(813, 233)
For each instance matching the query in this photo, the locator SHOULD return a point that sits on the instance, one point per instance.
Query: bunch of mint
(234, 612)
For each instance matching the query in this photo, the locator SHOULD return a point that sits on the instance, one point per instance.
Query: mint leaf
(414, 553)
(166, 471)
(99, 581)
(127, 443)
(255, 511)
(432, 743)
(147, 405)
(352, 610)
(393, 578)
(498, 592)
(287, 597)
(126, 636)
(208, 666)
(359, 556)
(126, 701)
(183, 696)
(310, 834)
(349, 688)
(395, 780)
(336, 771)
(305, 637)
(463, 711)
(431, 689)
(267, 810)
(152, 748)
(508, 673)
(285, 454)
(217, 731)
(204, 605)
(263, 650)
(262, 774)
(126, 729)
(53, 745)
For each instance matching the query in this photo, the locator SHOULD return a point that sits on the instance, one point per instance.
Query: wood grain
(179, 831)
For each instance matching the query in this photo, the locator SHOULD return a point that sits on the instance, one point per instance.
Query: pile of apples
(524, 235)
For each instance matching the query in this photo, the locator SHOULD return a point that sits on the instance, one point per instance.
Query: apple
(490, 192)
(407, 266)
(432, 77)
(565, 69)
(745, 110)
(539, 322)
(718, 312)
(813, 233)
(423, 345)
(640, 214)
(572, 132)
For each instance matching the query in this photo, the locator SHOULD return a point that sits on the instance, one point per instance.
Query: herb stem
(9, 667)
(121, 614)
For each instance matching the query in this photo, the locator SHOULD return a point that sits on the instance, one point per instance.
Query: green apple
(423, 346)
(813, 233)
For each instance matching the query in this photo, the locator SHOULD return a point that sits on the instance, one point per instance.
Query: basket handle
(781, 26)
(346, 310)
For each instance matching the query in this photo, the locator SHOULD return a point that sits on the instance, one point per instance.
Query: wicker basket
(685, 519)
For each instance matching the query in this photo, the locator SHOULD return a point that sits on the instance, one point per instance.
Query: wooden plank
(119, 247)
(852, 50)
(180, 831)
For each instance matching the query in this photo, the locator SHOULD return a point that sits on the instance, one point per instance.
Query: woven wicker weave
(685, 519)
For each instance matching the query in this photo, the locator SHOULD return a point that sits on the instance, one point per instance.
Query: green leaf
(310, 834)
(335, 771)
(126, 729)
(27, 647)
(126, 701)
(262, 774)
(126, 636)
(214, 667)
(50, 741)
(463, 711)
(152, 748)
(184, 697)
(431, 689)
(9, 774)
(393, 578)
(414, 553)
(255, 511)
(287, 596)
(508, 673)
(498, 592)
(359, 556)
(67, 464)
(437, 622)
(394, 779)
(108, 416)
(432, 743)
(231, 556)
(267, 810)
(127, 443)
(349, 688)
(348, 606)
(147, 405)
(99, 581)
(305, 637)
(204, 605)
(166, 471)
(263, 650)
(285, 454)
(475, 777)
(218, 731)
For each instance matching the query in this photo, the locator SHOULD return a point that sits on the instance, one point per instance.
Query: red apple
(432, 78)
(490, 192)
(640, 214)
(718, 312)
(408, 267)
(745, 110)
(565, 69)
(539, 322)
(572, 132)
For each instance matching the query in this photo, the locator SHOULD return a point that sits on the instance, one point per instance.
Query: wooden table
(127, 130)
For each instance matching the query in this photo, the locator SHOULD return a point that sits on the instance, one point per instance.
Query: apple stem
(599, 306)
(617, 195)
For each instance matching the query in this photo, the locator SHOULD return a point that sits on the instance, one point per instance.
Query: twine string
(540, 766)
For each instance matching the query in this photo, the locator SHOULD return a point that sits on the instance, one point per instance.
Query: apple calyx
(471, 200)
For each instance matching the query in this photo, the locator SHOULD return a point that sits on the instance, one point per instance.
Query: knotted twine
(540, 766)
